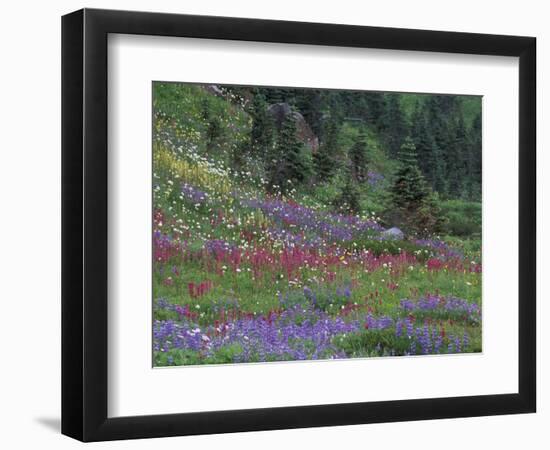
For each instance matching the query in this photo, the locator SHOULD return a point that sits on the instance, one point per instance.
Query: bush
(463, 218)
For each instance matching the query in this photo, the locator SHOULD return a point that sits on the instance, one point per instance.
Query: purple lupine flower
(407, 305)
(284, 338)
(423, 337)
(440, 247)
(409, 328)
(399, 328)
(301, 331)
(382, 323)
(440, 305)
(457, 344)
(314, 224)
(347, 292)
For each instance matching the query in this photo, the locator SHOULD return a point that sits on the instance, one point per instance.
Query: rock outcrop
(279, 111)
(393, 234)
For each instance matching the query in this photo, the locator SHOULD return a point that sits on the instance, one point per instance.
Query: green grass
(463, 218)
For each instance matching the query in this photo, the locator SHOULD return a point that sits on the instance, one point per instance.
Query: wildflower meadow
(308, 224)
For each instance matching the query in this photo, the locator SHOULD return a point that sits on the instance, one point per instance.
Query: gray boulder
(393, 234)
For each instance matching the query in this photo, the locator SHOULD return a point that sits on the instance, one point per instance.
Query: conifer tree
(409, 187)
(262, 132)
(288, 165)
(393, 124)
(358, 158)
(309, 103)
(424, 143)
(474, 159)
(278, 95)
(325, 159)
(439, 108)
(348, 199)
(376, 105)
(413, 205)
(457, 160)
(420, 135)
(212, 122)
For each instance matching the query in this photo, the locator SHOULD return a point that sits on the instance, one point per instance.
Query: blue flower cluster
(443, 306)
(304, 331)
(333, 227)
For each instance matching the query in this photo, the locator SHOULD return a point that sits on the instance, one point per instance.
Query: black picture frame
(84, 224)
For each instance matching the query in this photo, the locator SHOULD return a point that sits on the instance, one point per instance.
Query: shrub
(463, 218)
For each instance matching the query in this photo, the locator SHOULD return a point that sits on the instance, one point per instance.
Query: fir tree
(288, 165)
(358, 158)
(348, 199)
(439, 108)
(335, 103)
(212, 122)
(409, 189)
(428, 219)
(413, 205)
(376, 105)
(474, 159)
(278, 95)
(424, 143)
(393, 124)
(457, 157)
(262, 132)
(325, 159)
(309, 103)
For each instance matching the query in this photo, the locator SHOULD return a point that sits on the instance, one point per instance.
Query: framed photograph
(273, 224)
